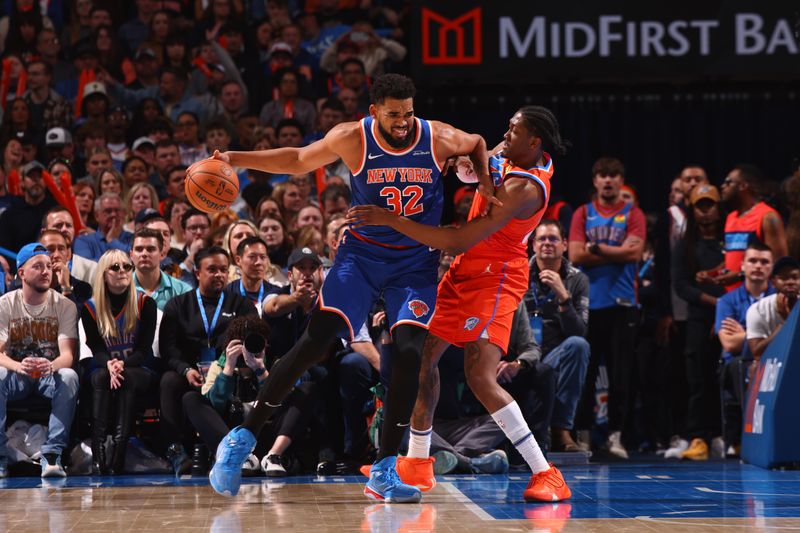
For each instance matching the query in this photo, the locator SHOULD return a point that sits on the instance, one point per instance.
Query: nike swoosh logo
(370, 156)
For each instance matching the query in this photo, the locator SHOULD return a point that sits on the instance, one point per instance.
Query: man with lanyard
(146, 252)
(187, 337)
(251, 257)
(558, 307)
(730, 326)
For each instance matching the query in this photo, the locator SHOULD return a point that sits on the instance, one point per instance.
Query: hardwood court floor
(663, 497)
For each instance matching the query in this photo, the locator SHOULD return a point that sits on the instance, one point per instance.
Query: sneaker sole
(372, 495)
(225, 492)
(554, 498)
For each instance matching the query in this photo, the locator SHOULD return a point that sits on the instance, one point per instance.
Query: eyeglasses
(548, 238)
(116, 267)
(198, 227)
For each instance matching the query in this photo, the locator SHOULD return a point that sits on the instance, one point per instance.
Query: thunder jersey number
(394, 200)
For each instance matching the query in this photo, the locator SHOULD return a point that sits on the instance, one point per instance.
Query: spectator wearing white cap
(145, 148)
(95, 103)
(58, 144)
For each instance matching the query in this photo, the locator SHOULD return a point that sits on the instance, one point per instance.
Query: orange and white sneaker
(417, 472)
(547, 486)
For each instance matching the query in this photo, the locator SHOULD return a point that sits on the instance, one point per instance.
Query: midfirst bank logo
(457, 41)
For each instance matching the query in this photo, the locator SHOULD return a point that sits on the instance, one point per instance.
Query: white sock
(419, 443)
(513, 424)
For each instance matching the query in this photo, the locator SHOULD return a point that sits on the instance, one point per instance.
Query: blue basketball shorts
(363, 272)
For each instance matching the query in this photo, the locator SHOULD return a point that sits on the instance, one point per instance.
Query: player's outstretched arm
(343, 141)
(517, 198)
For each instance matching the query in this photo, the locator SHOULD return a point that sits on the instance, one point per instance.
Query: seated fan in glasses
(557, 301)
(120, 326)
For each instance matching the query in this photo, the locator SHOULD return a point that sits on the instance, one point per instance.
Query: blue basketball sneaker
(235, 447)
(384, 484)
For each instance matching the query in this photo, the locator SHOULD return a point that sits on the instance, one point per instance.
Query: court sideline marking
(468, 503)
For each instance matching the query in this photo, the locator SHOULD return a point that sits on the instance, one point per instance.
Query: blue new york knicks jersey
(120, 345)
(611, 284)
(406, 181)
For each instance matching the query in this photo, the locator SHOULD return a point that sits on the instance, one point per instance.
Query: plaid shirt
(57, 110)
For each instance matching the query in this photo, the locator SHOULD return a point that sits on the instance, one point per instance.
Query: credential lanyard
(260, 293)
(205, 318)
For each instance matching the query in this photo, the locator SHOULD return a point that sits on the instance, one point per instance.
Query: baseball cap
(144, 53)
(94, 87)
(30, 167)
(28, 251)
(148, 213)
(298, 254)
(57, 137)
(704, 191)
(142, 141)
(785, 262)
(280, 47)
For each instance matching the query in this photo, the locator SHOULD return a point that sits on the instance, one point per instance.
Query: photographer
(233, 380)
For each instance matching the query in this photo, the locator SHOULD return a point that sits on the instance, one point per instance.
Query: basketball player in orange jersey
(480, 292)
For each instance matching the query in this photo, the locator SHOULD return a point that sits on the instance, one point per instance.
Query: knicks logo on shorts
(419, 308)
(470, 324)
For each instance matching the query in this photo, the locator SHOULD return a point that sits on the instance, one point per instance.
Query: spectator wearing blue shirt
(171, 92)
(110, 216)
(730, 325)
(731, 316)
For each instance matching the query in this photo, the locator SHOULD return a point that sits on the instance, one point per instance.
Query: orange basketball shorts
(477, 299)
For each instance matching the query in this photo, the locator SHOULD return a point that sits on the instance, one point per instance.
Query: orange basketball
(211, 185)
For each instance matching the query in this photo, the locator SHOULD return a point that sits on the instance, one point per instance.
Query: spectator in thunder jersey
(120, 326)
(607, 240)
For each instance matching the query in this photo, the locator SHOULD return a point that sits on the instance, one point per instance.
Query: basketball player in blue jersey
(396, 161)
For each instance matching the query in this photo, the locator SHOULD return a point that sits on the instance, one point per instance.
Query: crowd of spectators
(116, 286)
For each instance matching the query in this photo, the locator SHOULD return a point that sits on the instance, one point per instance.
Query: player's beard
(395, 143)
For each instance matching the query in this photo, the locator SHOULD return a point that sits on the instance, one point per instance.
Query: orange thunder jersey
(511, 240)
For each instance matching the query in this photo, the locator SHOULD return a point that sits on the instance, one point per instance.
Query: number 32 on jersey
(405, 202)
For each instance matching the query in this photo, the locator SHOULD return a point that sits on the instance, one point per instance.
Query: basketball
(211, 185)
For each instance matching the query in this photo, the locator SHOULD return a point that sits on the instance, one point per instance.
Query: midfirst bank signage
(529, 41)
